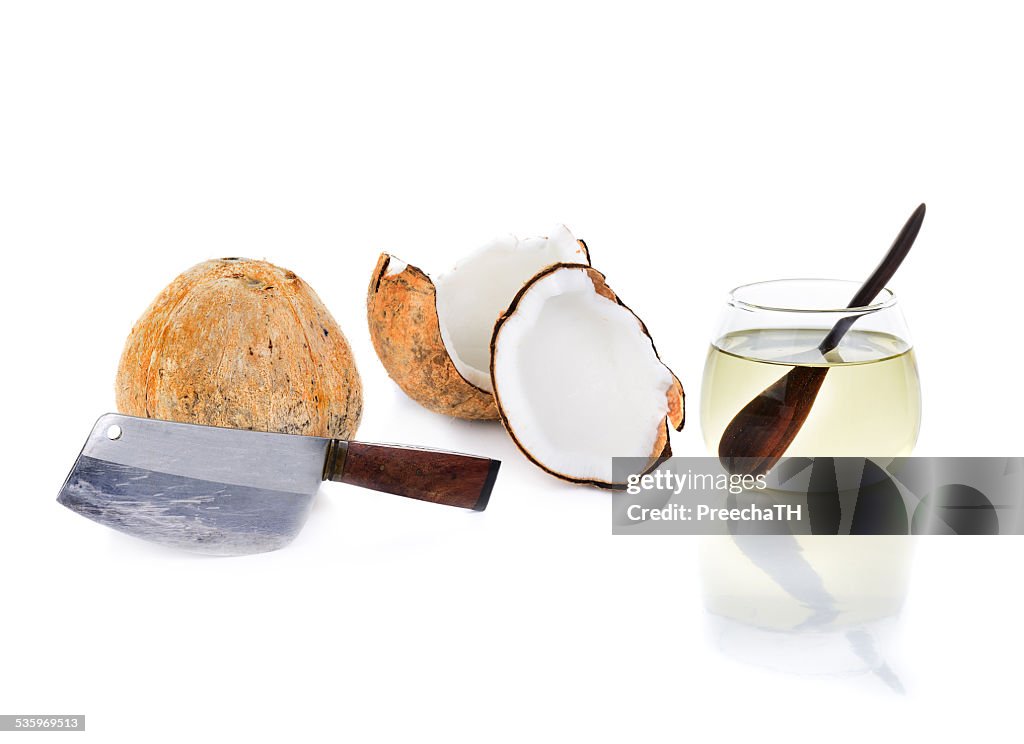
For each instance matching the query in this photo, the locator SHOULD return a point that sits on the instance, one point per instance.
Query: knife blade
(234, 492)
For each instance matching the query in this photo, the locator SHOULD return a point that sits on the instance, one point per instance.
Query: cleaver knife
(226, 491)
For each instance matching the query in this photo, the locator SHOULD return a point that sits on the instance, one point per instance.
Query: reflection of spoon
(783, 559)
(763, 430)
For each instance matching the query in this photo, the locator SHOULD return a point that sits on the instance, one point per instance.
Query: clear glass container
(869, 405)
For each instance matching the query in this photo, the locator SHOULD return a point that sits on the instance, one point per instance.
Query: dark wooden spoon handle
(428, 475)
(878, 279)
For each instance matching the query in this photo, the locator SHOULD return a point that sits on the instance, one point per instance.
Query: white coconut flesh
(472, 296)
(577, 379)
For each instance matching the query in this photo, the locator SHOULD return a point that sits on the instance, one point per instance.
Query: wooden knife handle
(428, 475)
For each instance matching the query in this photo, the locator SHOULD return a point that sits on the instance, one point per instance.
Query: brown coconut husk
(245, 344)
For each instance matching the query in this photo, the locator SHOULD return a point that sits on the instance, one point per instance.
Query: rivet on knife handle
(428, 475)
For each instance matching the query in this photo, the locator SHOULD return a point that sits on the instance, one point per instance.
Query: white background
(695, 147)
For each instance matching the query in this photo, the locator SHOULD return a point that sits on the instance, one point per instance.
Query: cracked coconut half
(577, 379)
(433, 335)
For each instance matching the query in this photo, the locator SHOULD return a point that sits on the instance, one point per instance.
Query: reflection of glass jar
(869, 405)
(807, 582)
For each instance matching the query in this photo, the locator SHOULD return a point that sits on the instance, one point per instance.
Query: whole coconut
(241, 343)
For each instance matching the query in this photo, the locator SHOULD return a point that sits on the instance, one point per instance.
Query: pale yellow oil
(869, 406)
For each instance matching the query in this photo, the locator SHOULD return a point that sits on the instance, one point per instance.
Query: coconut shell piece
(245, 344)
(402, 315)
(445, 367)
(677, 405)
(674, 394)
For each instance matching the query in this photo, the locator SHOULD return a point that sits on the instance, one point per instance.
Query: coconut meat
(472, 296)
(577, 378)
(395, 266)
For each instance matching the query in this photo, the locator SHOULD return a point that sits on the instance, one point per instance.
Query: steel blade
(200, 488)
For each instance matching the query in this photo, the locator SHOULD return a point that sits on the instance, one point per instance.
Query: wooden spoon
(762, 431)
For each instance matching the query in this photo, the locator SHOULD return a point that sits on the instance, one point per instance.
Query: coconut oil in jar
(868, 406)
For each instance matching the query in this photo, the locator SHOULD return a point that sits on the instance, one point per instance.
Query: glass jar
(868, 405)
